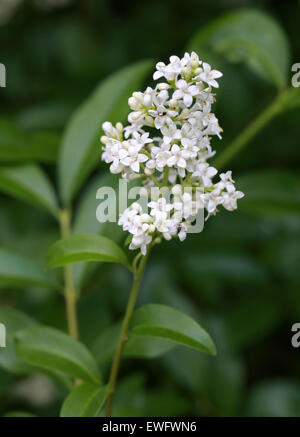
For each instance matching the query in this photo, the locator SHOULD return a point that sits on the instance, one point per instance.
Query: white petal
(157, 75)
(135, 166)
(177, 94)
(187, 99)
(142, 157)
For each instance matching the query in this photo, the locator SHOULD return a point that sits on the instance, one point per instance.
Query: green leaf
(86, 400)
(270, 192)
(53, 350)
(85, 247)
(136, 346)
(14, 321)
(20, 271)
(290, 99)
(250, 36)
(161, 321)
(20, 146)
(80, 149)
(30, 184)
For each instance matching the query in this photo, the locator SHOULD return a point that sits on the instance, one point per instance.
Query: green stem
(166, 176)
(123, 336)
(69, 291)
(243, 139)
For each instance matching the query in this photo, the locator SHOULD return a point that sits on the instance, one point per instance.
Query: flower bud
(147, 100)
(173, 103)
(151, 229)
(149, 120)
(133, 103)
(119, 128)
(185, 71)
(107, 127)
(148, 171)
(136, 115)
(163, 86)
(139, 96)
(176, 190)
(104, 139)
(185, 113)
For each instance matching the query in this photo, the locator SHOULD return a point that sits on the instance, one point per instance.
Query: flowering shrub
(166, 150)
(168, 143)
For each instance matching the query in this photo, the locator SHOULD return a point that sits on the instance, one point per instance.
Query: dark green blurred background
(240, 278)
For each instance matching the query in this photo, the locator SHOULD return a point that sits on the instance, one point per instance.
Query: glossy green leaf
(250, 36)
(20, 271)
(270, 192)
(28, 183)
(86, 400)
(13, 321)
(161, 321)
(80, 149)
(85, 247)
(136, 346)
(20, 146)
(53, 350)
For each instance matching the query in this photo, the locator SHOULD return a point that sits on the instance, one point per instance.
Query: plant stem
(138, 274)
(243, 139)
(69, 292)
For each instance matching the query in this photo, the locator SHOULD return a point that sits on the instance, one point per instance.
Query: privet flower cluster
(168, 143)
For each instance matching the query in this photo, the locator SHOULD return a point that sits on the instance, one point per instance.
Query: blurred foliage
(239, 278)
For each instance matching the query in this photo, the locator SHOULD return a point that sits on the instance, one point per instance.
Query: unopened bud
(119, 128)
(173, 103)
(185, 113)
(133, 103)
(198, 70)
(136, 115)
(176, 190)
(104, 139)
(149, 120)
(163, 86)
(151, 229)
(149, 171)
(185, 71)
(147, 100)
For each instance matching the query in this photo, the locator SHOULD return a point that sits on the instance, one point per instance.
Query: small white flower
(230, 199)
(162, 116)
(169, 71)
(208, 75)
(205, 173)
(185, 91)
(176, 157)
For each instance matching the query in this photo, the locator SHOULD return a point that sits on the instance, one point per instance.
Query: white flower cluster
(167, 143)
